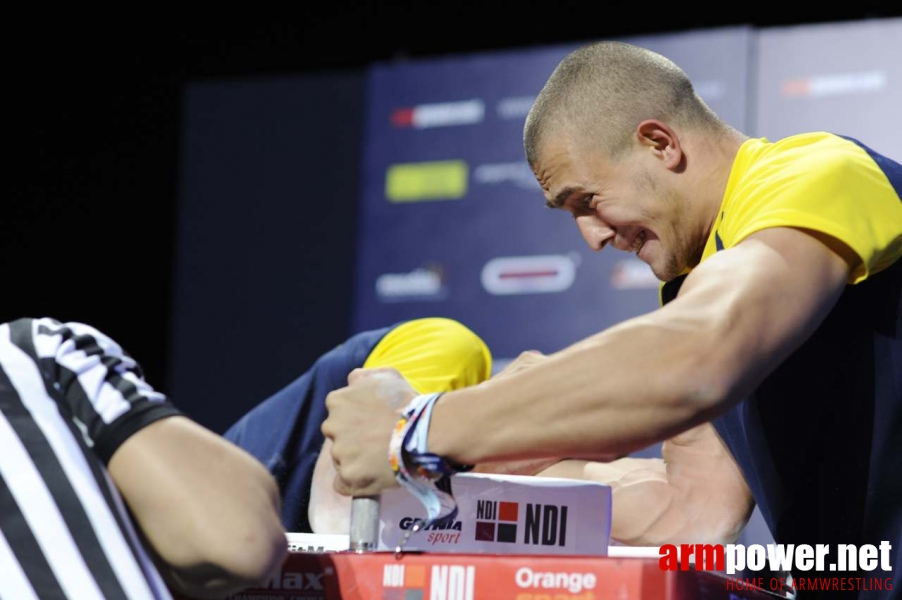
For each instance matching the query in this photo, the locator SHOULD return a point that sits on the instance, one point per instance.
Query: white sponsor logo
(452, 583)
(517, 173)
(440, 114)
(419, 284)
(633, 275)
(516, 107)
(548, 580)
(838, 84)
(529, 274)
(393, 576)
(449, 582)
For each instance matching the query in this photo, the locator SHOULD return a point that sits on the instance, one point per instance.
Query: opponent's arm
(695, 494)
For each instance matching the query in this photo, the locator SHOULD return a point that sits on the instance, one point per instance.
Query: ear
(662, 141)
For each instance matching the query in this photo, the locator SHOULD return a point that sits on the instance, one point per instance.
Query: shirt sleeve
(94, 381)
(843, 195)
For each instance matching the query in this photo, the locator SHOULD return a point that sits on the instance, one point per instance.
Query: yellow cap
(434, 355)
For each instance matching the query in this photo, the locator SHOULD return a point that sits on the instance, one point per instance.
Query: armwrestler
(781, 334)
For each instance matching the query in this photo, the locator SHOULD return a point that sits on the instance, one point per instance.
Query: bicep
(752, 305)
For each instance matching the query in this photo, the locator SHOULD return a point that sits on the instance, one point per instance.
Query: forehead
(564, 167)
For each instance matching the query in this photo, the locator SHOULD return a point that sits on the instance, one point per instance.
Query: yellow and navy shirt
(283, 432)
(820, 440)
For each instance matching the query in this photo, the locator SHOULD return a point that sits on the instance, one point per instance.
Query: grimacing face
(629, 203)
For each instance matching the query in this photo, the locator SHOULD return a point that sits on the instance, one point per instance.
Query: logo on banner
(439, 114)
(838, 84)
(447, 582)
(306, 581)
(555, 580)
(403, 582)
(517, 173)
(419, 284)
(436, 180)
(529, 274)
(439, 533)
(543, 524)
(633, 274)
(496, 521)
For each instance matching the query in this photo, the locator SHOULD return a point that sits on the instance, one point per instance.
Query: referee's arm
(208, 510)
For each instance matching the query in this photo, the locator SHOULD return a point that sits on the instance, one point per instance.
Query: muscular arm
(695, 494)
(737, 317)
(207, 508)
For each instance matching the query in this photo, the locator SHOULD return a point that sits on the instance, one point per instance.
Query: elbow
(257, 560)
(238, 552)
(249, 560)
(255, 547)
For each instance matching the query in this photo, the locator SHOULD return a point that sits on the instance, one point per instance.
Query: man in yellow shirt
(774, 373)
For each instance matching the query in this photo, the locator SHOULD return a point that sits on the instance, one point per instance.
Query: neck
(713, 156)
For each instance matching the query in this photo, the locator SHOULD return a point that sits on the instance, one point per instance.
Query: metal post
(364, 534)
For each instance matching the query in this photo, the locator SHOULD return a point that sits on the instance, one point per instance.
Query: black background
(93, 128)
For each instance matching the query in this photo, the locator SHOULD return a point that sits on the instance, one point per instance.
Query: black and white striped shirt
(69, 396)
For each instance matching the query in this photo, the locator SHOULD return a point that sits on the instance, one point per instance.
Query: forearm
(615, 392)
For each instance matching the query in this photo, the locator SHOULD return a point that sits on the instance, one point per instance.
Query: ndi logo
(544, 524)
(548, 519)
(496, 521)
(448, 582)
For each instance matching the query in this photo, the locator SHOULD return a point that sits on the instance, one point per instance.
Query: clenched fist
(360, 423)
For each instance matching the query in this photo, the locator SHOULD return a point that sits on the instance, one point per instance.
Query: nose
(596, 232)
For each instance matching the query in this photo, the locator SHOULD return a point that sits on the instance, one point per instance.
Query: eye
(582, 206)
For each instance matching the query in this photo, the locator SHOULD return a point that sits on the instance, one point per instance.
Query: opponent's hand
(361, 419)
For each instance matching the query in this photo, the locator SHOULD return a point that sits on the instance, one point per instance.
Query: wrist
(441, 439)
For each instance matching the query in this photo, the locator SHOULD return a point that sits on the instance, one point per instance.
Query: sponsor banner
(845, 78)
(418, 285)
(440, 114)
(542, 274)
(374, 576)
(561, 516)
(437, 180)
(818, 86)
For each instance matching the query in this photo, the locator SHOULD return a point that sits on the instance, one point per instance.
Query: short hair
(603, 90)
